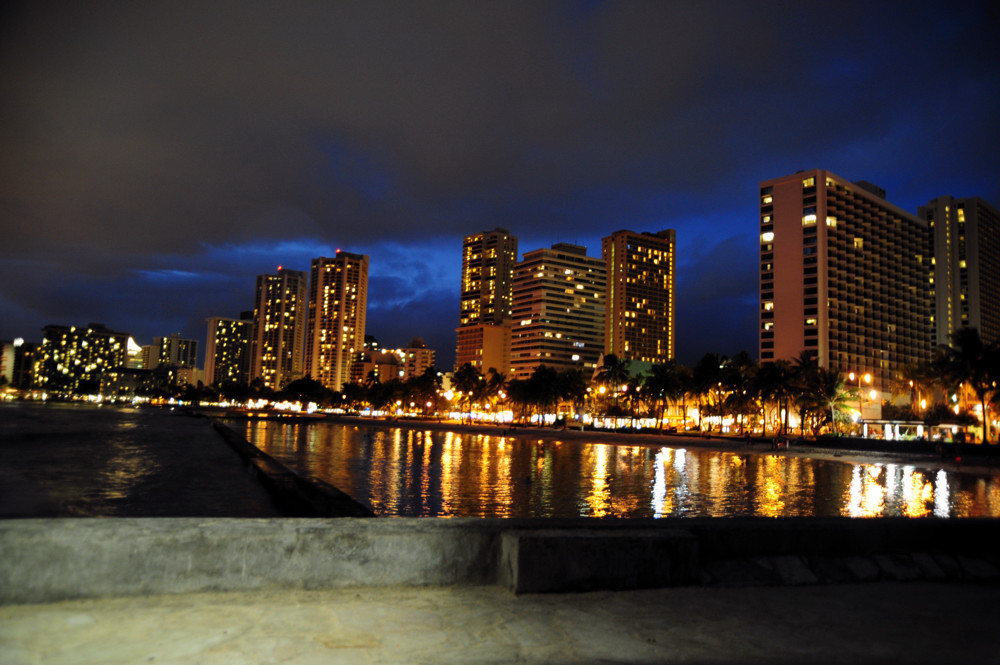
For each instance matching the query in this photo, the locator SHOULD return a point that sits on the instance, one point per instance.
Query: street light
(861, 396)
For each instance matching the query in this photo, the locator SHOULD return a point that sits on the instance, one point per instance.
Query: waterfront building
(483, 333)
(966, 268)
(843, 276)
(377, 366)
(71, 359)
(558, 310)
(640, 324)
(175, 350)
(227, 350)
(338, 303)
(415, 359)
(17, 363)
(278, 335)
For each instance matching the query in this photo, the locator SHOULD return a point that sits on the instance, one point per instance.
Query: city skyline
(157, 159)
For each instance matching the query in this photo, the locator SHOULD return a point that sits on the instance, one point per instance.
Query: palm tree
(614, 373)
(737, 379)
(572, 387)
(707, 381)
(822, 394)
(773, 384)
(913, 381)
(467, 380)
(662, 384)
(967, 360)
(495, 389)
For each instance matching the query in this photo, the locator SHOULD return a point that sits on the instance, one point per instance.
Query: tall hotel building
(175, 350)
(843, 274)
(640, 296)
(488, 260)
(71, 357)
(278, 336)
(227, 350)
(558, 310)
(338, 302)
(966, 270)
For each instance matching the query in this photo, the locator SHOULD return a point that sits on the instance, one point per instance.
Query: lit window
(808, 220)
(767, 200)
(767, 236)
(768, 306)
(810, 322)
(859, 243)
(809, 182)
(831, 221)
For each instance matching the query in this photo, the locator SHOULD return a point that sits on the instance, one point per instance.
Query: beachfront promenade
(209, 589)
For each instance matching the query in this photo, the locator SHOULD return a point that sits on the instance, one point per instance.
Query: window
(809, 182)
(859, 243)
(767, 236)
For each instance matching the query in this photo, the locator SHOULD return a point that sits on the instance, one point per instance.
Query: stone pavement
(885, 622)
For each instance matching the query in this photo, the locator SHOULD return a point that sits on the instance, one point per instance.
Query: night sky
(156, 156)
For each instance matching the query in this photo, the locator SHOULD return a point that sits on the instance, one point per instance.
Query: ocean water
(430, 473)
(70, 460)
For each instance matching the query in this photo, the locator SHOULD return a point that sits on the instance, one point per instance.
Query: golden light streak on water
(600, 494)
(771, 487)
(918, 493)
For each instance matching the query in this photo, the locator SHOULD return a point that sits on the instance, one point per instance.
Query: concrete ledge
(293, 495)
(559, 560)
(45, 560)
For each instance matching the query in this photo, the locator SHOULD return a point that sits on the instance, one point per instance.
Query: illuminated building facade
(278, 336)
(338, 303)
(640, 296)
(558, 310)
(415, 359)
(966, 270)
(17, 363)
(71, 359)
(227, 350)
(175, 350)
(488, 260)
(843, 275)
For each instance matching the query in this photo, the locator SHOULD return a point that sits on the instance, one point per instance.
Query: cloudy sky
(156, 156)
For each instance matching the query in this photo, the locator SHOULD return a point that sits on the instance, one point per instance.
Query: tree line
(754, 397)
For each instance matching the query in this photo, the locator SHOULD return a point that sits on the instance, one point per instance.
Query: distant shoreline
(713, 442)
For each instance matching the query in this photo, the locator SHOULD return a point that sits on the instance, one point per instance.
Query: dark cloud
(164, 153)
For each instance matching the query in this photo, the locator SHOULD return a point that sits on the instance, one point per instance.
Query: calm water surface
(412, 472)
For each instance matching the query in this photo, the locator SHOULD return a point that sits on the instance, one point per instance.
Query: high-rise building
(640, 296)
(338, 304)
(558, 310)
(966, 269)
(279, 327)
(843, 275)
(488, 260)
(176, 350)
(17, 363)
(227, 350)
(71, 359)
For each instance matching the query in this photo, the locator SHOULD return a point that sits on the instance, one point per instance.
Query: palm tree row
(751, 396)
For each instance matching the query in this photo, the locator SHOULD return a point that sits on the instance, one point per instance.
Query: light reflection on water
(411, 472)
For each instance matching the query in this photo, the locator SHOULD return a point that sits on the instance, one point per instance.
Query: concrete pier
(46, 560)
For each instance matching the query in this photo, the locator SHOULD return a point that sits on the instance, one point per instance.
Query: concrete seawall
(46, 560)
(293, 495)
